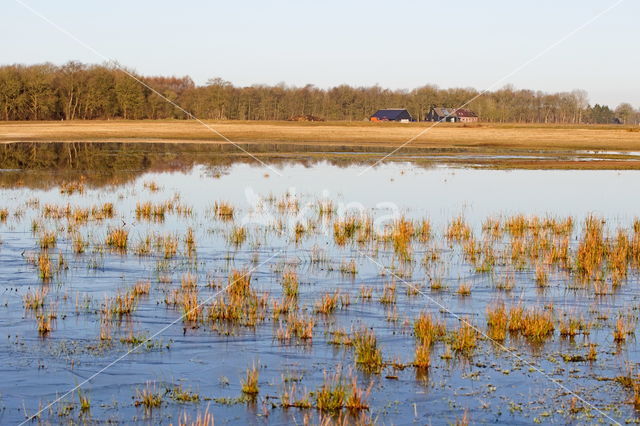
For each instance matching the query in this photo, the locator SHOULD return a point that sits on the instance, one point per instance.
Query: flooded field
(141, 284)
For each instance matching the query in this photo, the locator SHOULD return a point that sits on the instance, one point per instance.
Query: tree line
(77, 91)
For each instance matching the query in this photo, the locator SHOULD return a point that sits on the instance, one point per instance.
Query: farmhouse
(392, 114)
(452, 115)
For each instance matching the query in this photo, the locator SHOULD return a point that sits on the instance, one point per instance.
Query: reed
(238, 235)
(497, 321)
(179, 394)
(426, 329)
(78, 243)
(105, 329)
(290, 399)
(464, 340)
(223, 210)
(201, 419)
(423, 231)
(47, 240)
(388, 296)
(44, 323)
(368, 355)
(190, 241)
(117, 238)
(44, 266)
(250, 383)
(151, 185)
(357, 399)
(148, 397)
(458, 230)
(326, 208)
(290, 284)
(366, 293)
(143, 246)
(124, 303)
(72, 187)
(140, 288)
(422, 355)
(84, 401)
(152, 212)
(327, 303)
(537, 325)
(542, 278)
(35, 300)
(191, 307)
(331, 396)
(464, 289)
(620, 331)
(169, 244)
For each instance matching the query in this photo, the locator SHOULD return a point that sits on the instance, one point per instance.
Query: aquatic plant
(148, 397)
(290, 284)
(368, 355)
(464, 340)
(250, 382)
(223, 210)
(117, 238)
(327, 303)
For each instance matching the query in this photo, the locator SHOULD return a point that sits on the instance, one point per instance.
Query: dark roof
(462, 112)
(391, 114)
(453, 112)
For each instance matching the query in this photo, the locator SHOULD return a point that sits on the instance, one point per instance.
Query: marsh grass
(422, 358)
(178, 394)
(140, 288)
(223, 210)
(238, 235)
(426, 329)
(249, 385)
(84, 401)
(45, 269)
(537, 325)
(332, 395)
(44, 323)
(35, 299)
(465, 339)
(152, 212)
(201, 419)
(78, 243)
(368, 355)
(291, 398)
(388, 296)
(290, 284)
(327, 303)
(47, 240)
(117, 238)
(149, 397)
(464, 289)
(497, 321)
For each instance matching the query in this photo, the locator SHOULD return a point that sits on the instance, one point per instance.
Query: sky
(397, 45)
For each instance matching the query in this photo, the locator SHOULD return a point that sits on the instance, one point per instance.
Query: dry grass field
(480, 136)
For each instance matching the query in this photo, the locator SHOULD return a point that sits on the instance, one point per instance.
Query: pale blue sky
(466, 43)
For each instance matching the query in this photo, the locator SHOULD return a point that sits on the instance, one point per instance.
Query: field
(140, 292)
(443, 135)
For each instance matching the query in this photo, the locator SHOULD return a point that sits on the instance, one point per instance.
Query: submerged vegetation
(413, 303)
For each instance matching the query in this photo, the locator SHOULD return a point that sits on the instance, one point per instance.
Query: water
(515, 383)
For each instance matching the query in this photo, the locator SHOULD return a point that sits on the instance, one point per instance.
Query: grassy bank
(480, 136)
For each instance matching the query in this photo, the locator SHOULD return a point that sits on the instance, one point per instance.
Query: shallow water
(514, 383)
